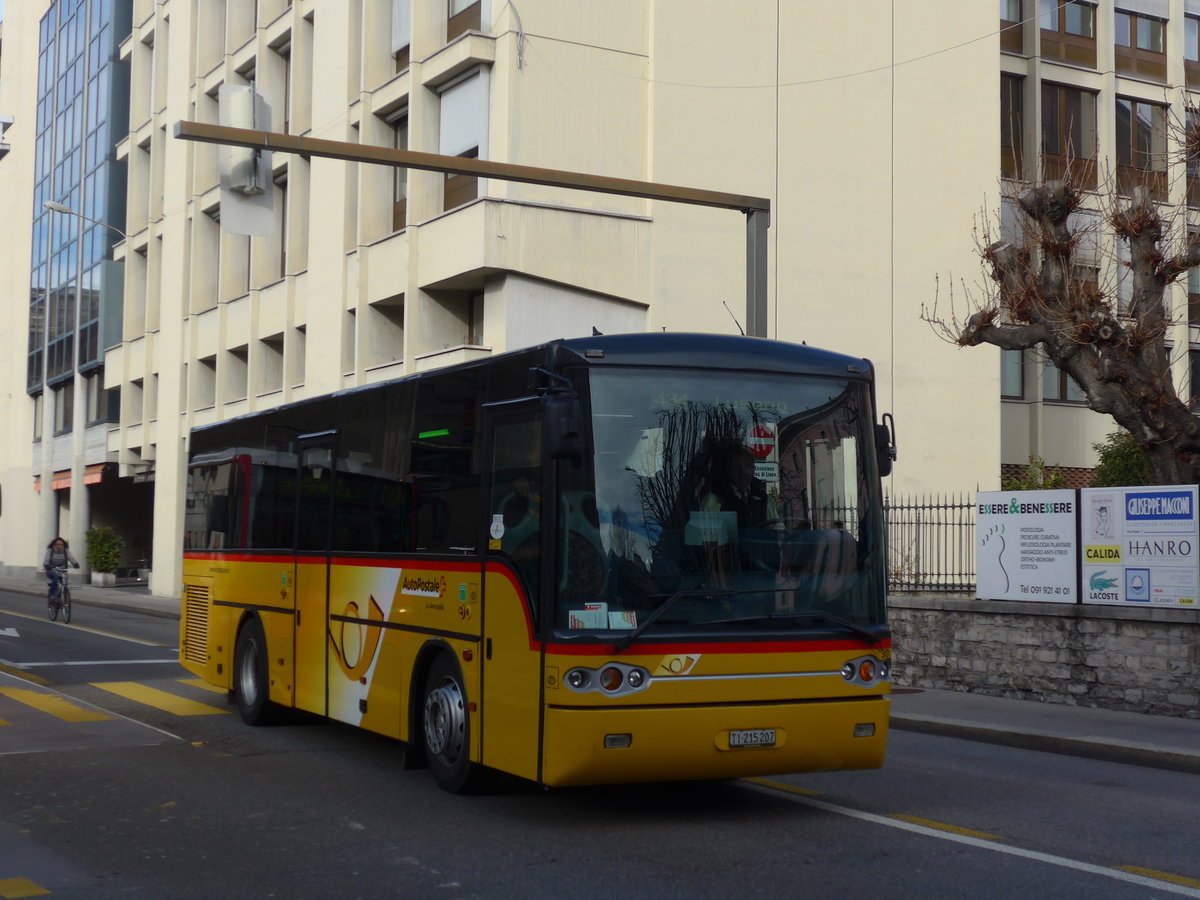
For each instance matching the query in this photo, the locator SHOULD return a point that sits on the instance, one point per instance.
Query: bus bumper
(616, 745)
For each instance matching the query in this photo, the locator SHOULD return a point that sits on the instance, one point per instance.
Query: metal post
(757, 221)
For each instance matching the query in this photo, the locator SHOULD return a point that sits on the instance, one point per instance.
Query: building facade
(1108, 90)
(868, 133)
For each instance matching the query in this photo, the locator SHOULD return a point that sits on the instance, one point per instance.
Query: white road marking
(1062, 861)
(92, 662)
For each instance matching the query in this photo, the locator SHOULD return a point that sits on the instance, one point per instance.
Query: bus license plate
(753, 737)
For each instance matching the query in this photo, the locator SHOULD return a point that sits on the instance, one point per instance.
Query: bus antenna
(732, 316)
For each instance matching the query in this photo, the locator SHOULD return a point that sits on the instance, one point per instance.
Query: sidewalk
(130, 597)
(1160, 741)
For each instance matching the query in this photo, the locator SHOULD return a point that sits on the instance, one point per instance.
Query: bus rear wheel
(251, 686)
(447, 728)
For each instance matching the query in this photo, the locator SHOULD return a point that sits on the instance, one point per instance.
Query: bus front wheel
(447, 727)
(250, 679)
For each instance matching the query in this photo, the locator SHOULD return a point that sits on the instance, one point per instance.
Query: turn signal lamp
(617, 741)
(864, 729)
(611, 678)
(866, 670)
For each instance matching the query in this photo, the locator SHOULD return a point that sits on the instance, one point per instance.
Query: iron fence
(931, 543)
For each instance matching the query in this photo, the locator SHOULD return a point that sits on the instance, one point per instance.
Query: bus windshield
(722, 501)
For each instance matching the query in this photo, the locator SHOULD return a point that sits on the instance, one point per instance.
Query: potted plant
(103, 554)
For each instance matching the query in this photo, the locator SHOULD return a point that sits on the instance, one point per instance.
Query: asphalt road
(182, 800)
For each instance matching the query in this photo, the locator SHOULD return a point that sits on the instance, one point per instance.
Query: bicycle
(61, 598)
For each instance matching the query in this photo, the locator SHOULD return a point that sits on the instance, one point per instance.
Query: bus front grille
(195, 623)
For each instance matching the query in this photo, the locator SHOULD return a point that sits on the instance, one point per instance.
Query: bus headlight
(615, 679)
(866, 671)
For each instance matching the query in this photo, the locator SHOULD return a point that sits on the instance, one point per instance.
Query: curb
(1131, 754)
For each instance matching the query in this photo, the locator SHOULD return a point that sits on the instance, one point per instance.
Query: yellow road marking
(1162, 876)
(953, 829)
(23, 675)
(57, 706)
(780, 786)
(12, 888)
(204, 685)
(179, 706)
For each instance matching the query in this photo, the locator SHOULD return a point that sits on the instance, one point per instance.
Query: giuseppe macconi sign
(1140, 546)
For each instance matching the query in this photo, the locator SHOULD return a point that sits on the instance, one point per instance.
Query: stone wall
(1140, 660)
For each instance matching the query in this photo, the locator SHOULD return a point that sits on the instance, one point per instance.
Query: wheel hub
(445, 720)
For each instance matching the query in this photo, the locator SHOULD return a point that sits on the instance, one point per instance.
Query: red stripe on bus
(735, 646)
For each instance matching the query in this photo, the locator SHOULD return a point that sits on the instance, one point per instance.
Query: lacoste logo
(1099, 583)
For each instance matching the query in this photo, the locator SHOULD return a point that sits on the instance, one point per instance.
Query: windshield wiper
(628, 639)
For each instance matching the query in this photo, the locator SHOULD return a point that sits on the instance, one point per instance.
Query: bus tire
(251, 681)
(446, 727)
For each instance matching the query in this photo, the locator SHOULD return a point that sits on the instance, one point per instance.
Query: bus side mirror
(564, 426)
(885, 444)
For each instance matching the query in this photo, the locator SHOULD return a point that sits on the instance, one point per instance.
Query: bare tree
(1041, 295)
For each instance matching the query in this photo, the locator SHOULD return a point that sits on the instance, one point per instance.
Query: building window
(1069, 134)
(461, 132)
(1191, 49)
(1191, 150)
(1140, 44)
(475, 319)
(1010, 26)
(281, 195)
(1194, 373)
(462, 16)
(1012, 131)
(1012, 374)
(402, 33)
(1141, 147)
(64, 407)
(1193, 286)
(1068, 31)
(1060, 387)
(37, 417)
(399, 126)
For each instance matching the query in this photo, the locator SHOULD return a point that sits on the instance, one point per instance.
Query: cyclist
(58, 556)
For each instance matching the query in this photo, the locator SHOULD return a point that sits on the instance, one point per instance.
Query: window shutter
(401, 25)
(462, 117)
(1155, 8)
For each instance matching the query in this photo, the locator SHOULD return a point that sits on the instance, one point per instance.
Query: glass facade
(82, 111)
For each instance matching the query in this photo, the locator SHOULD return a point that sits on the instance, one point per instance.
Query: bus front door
(513, 575)
(314, 499)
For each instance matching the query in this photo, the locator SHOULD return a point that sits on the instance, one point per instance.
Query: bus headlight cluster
(613, 679)
(867, 671)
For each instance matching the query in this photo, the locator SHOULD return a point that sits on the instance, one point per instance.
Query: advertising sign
(1026, 546)
(1140, 546)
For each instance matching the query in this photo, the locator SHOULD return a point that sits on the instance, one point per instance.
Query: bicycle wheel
(52, 606)
(66, 603)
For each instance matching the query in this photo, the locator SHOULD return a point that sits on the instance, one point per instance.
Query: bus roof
(648, 349)
(713, 351)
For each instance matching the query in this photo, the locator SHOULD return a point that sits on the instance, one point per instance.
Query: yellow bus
(610, 559)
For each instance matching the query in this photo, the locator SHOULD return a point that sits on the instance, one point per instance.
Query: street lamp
(63, 208)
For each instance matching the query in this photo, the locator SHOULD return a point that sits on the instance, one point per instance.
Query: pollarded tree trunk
(1118, 357)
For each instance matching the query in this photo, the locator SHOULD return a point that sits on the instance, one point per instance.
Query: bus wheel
(250, 679)
(447, 728)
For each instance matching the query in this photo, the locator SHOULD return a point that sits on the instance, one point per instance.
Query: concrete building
(876, 135)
